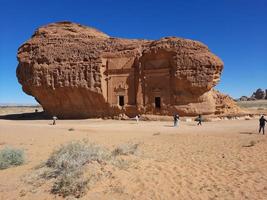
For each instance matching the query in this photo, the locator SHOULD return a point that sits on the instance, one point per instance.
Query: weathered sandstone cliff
(75, 71)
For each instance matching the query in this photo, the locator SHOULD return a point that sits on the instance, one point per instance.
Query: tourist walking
(199, 120)
(54, 120)
(137, 118)
(176, 120)
(262, 124)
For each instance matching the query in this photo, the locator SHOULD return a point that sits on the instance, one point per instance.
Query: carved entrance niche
(121, 93)
(119, 75)
(156, 68)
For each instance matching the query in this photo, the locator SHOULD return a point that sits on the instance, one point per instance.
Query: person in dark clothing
(262, 124)
(175, 120)
(199, 120)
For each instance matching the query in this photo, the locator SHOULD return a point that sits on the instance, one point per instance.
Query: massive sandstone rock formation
(75, 71)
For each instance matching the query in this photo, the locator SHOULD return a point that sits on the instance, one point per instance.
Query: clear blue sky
(235, 30)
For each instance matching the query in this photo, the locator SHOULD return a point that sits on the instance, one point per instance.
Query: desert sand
(16, 110)
(214, 161)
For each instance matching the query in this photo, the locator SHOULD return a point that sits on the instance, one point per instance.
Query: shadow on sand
(246, 133)
(168, 126)
(26, 116)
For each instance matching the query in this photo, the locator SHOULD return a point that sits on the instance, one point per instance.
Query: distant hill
(259, 94)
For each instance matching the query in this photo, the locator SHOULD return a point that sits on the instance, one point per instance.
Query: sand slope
(189, 162)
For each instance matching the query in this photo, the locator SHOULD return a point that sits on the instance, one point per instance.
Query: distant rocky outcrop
(75, 71)
(259, 94)
(243, 98)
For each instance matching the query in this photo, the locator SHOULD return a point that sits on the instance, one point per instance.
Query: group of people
(176, 120)
(199, 120)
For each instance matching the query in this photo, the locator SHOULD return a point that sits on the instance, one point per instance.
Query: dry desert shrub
(125, 149)
(75, 155)
(11, 157)
(70, 183)
(69, 164)
(120, 163)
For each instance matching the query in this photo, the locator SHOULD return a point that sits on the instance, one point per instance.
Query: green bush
(11, 157)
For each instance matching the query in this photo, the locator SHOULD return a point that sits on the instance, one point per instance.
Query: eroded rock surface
(75, 71)
(259, 94)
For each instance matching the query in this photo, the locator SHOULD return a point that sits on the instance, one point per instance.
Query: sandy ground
(254, 107)
(188, 162)
(7, 110)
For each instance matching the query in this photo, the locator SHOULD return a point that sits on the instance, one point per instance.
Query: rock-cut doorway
(157, 102)
(121, 101)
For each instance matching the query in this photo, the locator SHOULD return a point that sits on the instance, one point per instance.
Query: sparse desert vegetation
(125, 149)
(257, 104)
(11, 157)
(68, 166)
(254, 107)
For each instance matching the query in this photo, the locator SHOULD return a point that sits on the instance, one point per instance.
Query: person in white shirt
(54, 120)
